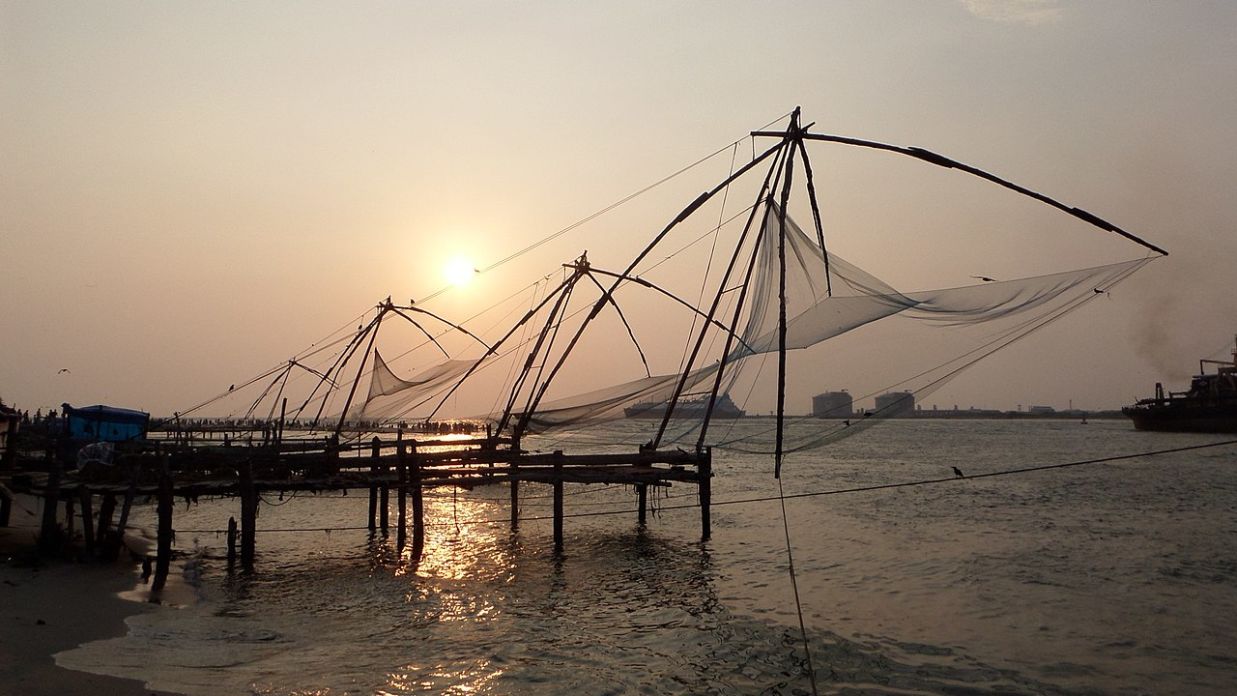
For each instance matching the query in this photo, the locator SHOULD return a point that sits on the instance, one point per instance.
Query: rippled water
(1106, 578)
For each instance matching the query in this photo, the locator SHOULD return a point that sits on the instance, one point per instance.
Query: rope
(793, 496)
(794, 585)
(555, 235)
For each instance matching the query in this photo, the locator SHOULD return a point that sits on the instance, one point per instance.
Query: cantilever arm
(422, 330)
(667, 293)
(453, 325)
(606, 296)
(943, 161)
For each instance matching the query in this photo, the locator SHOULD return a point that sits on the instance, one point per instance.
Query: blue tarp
(105, 423)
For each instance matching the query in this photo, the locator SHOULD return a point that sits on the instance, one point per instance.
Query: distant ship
(1209, 406)
(690, 408)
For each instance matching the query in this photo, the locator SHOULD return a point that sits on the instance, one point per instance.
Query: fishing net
(824, 302)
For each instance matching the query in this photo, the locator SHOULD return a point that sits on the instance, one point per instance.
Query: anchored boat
(723, 407)
(1208, 406)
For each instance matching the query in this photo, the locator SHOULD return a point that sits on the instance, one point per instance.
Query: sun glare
(459, 271)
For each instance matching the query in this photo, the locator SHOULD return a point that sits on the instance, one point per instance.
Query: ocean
(1109, 578)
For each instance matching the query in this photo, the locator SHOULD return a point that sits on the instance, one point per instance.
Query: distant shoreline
(973, 414)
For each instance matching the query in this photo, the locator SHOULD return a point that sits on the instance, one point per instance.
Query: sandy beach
(47, 606)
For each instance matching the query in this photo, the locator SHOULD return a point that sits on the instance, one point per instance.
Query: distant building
(1041, 410)
(893, 404)
(834, 404)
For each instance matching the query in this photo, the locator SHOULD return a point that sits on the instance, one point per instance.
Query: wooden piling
(87, 519)
(384, 490)
(249, 515)
(373, 488)
(163, 558)
(642, 494)
(69, 507)
(232, 539)
(106, 509)
(558, 505)
(121, 524)
(515, 496)
(6, 506)
(706, 493)
(418, 507)
(49, 532)
(401, 523)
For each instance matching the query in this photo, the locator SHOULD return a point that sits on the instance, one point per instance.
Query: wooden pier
(165, 470)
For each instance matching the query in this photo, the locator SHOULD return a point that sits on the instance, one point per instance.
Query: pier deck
(176, 468)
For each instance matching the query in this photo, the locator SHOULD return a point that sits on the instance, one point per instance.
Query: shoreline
(53, 605)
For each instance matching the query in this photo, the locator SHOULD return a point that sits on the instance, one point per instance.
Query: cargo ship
(1209, 406)
(689, 408)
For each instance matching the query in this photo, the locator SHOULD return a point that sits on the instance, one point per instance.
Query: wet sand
(53, 606)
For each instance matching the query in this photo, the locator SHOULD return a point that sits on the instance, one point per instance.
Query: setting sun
(459, 271)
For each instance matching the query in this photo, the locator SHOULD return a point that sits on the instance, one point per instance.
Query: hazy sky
(192, 192)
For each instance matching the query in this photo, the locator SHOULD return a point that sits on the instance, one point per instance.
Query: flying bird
(958, 472)
(986, 279)
(64, 370)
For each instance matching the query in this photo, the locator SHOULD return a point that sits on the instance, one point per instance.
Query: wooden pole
(384, 489)
(249, 514)
(49, 533)
(373, 490)
(373, 499)
(706, 493)
(87, 518)
(6, 506)
(134, 473)
(515, 497)
(418, 508)
(69, 506)
(106, 509)
(401, 529)
(642, 493)
(232, 539)
(558, 506)
(163, 559)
